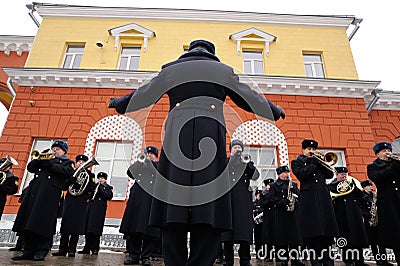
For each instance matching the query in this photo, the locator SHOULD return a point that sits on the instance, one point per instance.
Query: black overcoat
(386, 176)
(9, 187)
(39, 208)
(287, 224)
(74, 212)
(348, 214)
(268, 229)
(317, 214)
(372, 231)
(137, 211)
(206, 123)
(242, 201)
(97, 209)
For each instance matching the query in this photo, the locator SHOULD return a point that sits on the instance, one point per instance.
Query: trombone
(327, 160)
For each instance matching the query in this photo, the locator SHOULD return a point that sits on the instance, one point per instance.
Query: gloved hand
(282, 113)
(112, 103)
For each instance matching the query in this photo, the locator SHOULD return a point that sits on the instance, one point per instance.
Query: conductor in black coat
(8, 187)
(287, 221)
(242, 206)
(347, 206)
(135, 221)
(385, 173)
(96, 214)
(74, 213)
(318, 220)
(194, 150)
(37, 216)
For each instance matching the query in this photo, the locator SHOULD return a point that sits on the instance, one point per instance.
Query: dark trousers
(244, 252)
(258, 239)
(156, 248)
(92, 242)
(140, 245)
(36, 245)
(204, 242)
(220, 253)
(68, 243)
(356, 257)
(318, 244)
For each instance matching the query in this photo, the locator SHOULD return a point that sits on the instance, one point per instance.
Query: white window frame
(129, 57)
(258, 150)
(73, 56)
(111, 158)
(313, 65)
(253, 60)
(26, 172)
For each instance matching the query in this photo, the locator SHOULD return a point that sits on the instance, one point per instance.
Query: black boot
(84, 251)
(59, 253)
(131, 260)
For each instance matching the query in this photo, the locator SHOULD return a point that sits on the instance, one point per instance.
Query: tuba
(10, 161)
(82, 178)
(45, 155)
(327, 160)
(345, 187)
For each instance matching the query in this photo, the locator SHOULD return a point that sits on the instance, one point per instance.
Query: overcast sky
(375, 46)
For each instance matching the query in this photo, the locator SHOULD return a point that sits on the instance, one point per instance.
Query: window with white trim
(73, 56)
(313, 66)
(253, 62)
(40, 145)
(114, 159)
(264, 159)
(129, 58)
(396, 146)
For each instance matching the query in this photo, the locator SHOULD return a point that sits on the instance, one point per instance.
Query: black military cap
(236, 142)
(151, 149)
(206, 44)
(81, 157)
(309, 143)
(102, 174)
(341, 169)
(366, 183)
(381, 146)
(61, 144)
(282, 168)
(268, 181)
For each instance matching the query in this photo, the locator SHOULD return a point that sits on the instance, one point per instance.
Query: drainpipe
(31, 8)
(376, 94)
(356, 22)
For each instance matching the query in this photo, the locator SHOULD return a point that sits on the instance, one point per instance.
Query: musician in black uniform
(268, 224)
(258, 209)
(287, 217)
(8, 185)
(347, 202)
(371, 228)
(37, 216)
(75, 210)
(385, 173)
(318, 221)
(241, 172)
(96, 215)
(135, 222)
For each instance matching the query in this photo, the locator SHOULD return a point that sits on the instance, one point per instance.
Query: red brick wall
(385, 125)
(70, 113)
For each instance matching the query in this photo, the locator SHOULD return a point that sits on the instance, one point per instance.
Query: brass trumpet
(245, 158)
(36, 155)
(327, 160)
(395, 157)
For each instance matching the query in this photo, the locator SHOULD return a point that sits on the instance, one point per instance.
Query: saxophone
(291, 197)
(373, 221)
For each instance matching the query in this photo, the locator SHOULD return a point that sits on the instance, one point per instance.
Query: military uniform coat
(97, 209)
(74, 212)
(268, 230)
(287, 224)
(9, 187)
(386, 176)
(242, 201)
(137, 211)
(39, 208)
(317, 214)
(207, 122)
(349, 216)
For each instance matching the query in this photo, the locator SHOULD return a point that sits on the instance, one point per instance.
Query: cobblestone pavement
(105, 257)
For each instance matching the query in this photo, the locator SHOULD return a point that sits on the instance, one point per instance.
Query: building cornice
(55, 77)
(387, 100)
(168, 14)
(15, 43)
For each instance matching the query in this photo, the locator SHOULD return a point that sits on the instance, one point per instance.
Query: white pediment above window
(132, 30)
(254, 35)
